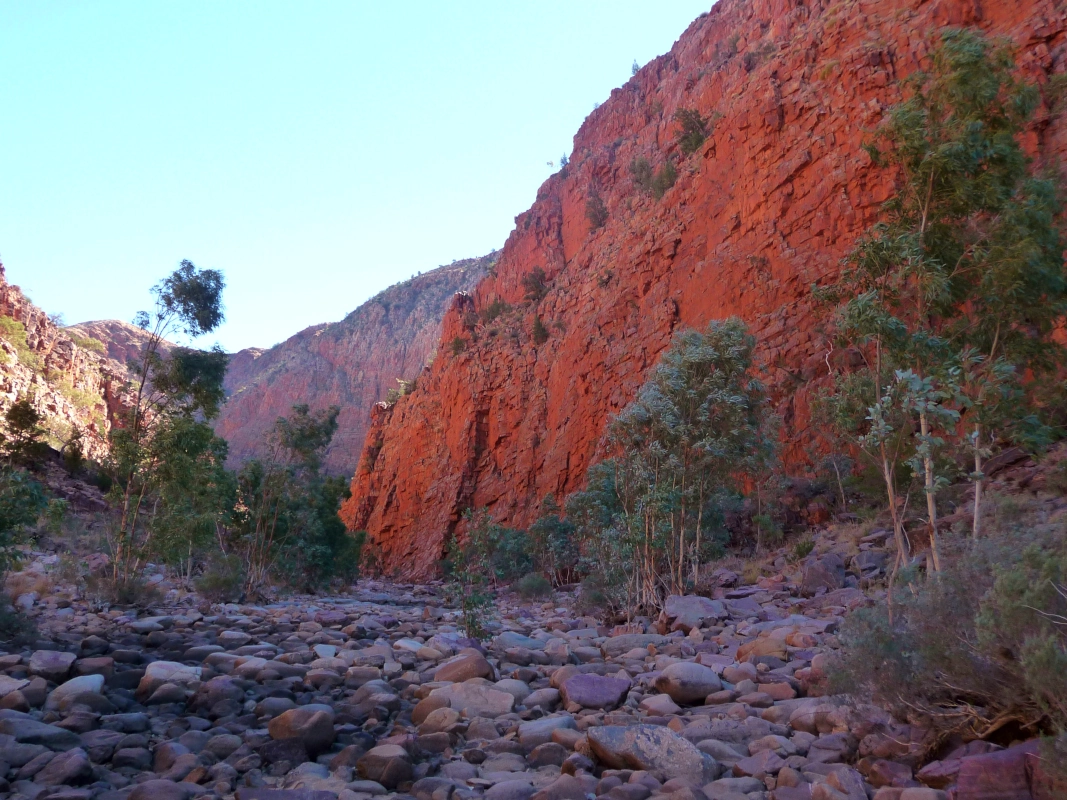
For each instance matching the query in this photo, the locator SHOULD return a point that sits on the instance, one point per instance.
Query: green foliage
(802, 549)
(22, 500)
(956, 292)
(15, 333)
(980, 647)
(552, 544)
(458, 345)
(89, 343)
(540, 332)
(654, 183)
(403, 389)
(73, 453)
(470, 571)
(22, 439)
(54, 514)
(692, 129)
(534, 284)
(223, 579)
(164, 446)
(651, 514)
(285, 526)
(16, 629)
(533, 586)
(596, 211)
(494, 310)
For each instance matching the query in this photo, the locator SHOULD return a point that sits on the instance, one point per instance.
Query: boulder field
(377, 693)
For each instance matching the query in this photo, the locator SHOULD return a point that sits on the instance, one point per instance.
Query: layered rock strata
(767, 206)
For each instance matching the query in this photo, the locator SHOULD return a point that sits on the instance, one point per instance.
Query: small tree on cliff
(172, 395)
(961, 283)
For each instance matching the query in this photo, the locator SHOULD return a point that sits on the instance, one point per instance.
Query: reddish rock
(62, 364)
(352, 364)
(1012, 774)
(768, 205)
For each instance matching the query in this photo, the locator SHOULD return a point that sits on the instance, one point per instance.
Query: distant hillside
(352, 364)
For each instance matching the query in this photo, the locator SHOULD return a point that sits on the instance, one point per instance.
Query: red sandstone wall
(771, 203)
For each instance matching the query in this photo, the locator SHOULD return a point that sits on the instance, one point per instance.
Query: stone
(314, 728)
(659, 705)
(617, 645)
(84, 684)
(685, 612)
(687, 682)
(52, 665)
(595, 691)
(162, 790)
(469, 663)
(539, 731)
(66, 769)
(826, 572)
(388, 764)
(9, 684)
(160, 672)
(1004, 775)
(652, 748)
(510, 790)
(475, 700)
(764, 762)
(30, 731)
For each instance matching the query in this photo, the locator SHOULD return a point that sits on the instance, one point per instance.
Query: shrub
(596, 211)
(540, 332)
(533, 586)
(16, 629)
(642, 174)
(134, 590)
(21, 442)
(653, 183)
(552, 543)
(802, 549)
(494, 310)
(223, 580)
(89, 343)
(534, 283)
(458, 345)
(692, 129)
(976, 651)
(21, 501)
(15, 333)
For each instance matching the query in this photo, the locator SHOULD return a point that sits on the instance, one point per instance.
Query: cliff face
(352, 364)
(72, 384)
(122, 341)
(768, 205)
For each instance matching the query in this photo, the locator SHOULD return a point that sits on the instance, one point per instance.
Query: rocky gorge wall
(770, 203)
(72, 385)
(352, 364)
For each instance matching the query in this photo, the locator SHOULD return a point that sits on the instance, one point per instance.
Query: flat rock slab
(475, 700)
(595, 691)
(654, 748)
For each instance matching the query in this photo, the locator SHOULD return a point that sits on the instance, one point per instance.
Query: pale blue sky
(315, 152)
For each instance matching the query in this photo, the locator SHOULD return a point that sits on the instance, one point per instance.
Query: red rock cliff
(770, 203)
(352, 364)
(73, 385)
